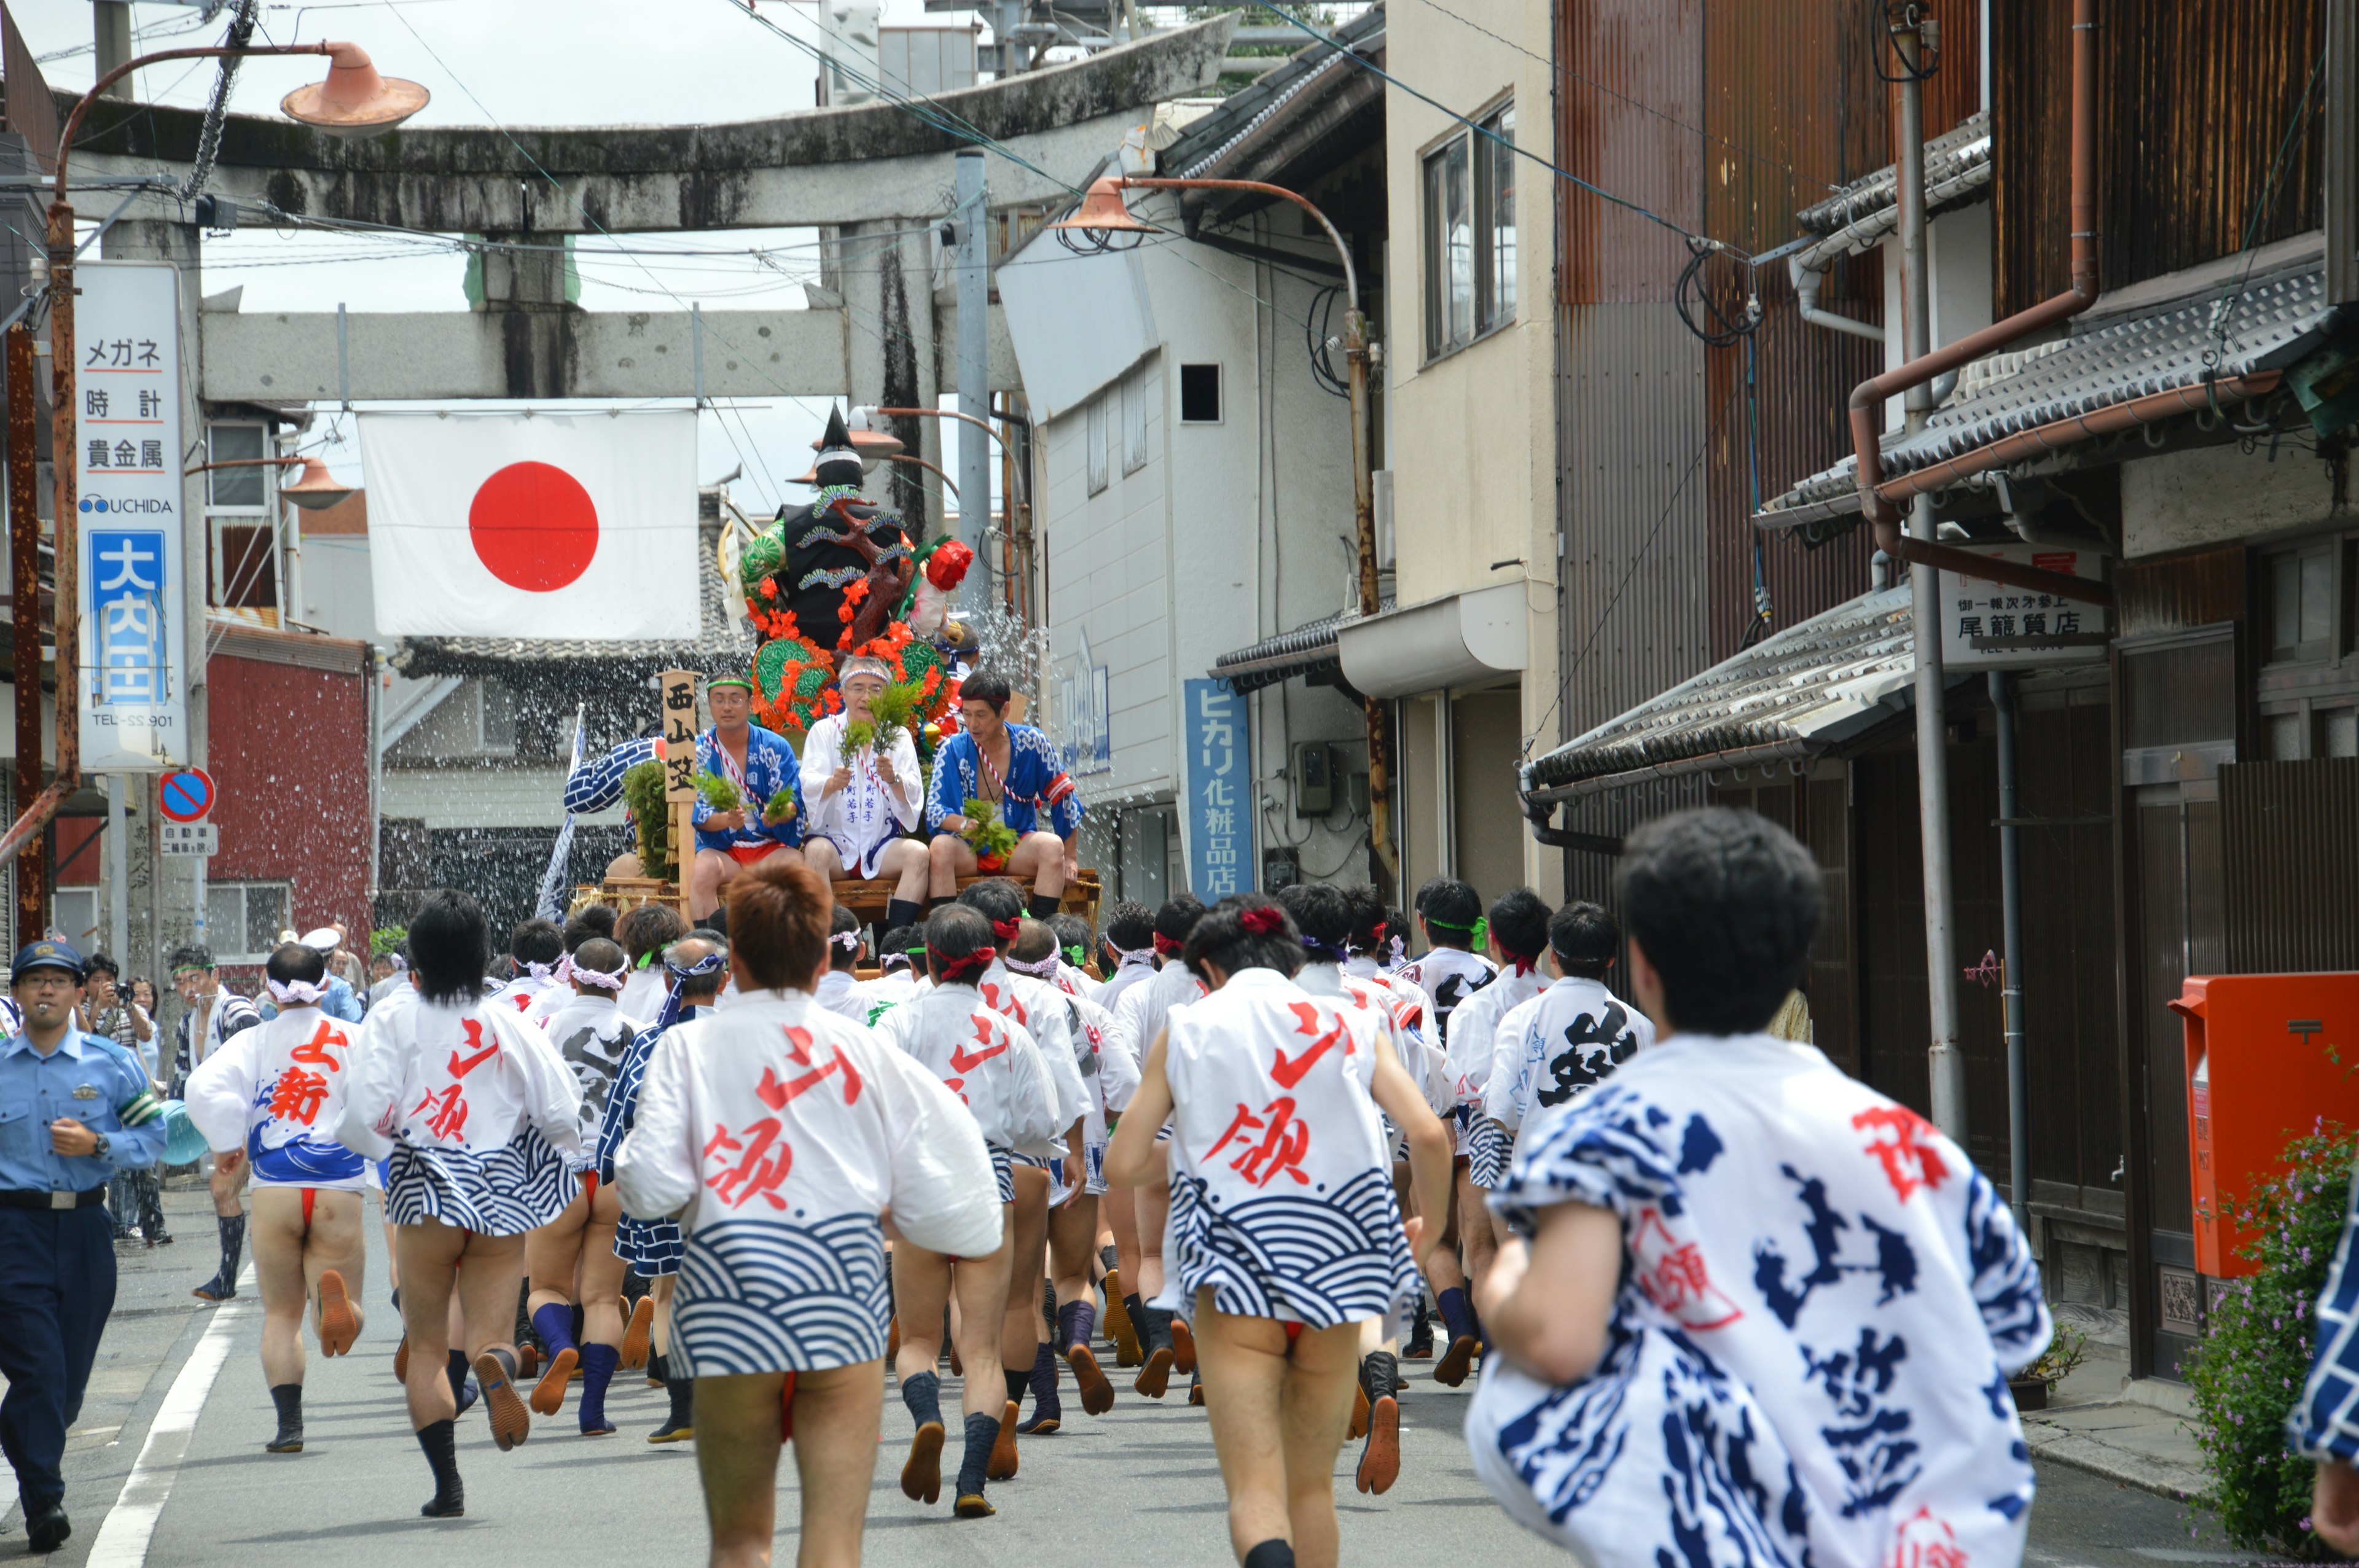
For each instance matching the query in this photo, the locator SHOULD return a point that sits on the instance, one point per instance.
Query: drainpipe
(1945, 1058)
(2010, 881)
(1867, 398)
(1807, 280)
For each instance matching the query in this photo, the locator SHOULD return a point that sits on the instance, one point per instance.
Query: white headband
(296, 993)
(604, 979)
(847, 940)
(1130, 955)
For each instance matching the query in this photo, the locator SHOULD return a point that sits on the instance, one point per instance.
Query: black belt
(16, 1198)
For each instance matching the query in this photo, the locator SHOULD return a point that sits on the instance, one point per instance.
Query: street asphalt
(1140, 1482)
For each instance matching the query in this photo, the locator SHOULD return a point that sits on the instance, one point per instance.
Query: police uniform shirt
(90, 1080)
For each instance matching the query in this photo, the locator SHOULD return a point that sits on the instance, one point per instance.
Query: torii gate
(873, 171)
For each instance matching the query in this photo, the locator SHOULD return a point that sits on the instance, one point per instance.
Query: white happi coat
(838, 990)
(1127, 976)
(592, 1032)
(480, 1114)
(985, 1058)
(1040, 1007)
(1450, 976)
(528, 990)
(778, 1131)
(864, 817)
(1821, 1301)
(277, 1091)
(887, 989)
(1474, 1032)
(1566, 1042)
(1282, 1179)
(1143, 1008)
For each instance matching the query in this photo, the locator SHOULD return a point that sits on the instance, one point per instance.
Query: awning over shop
(1788, 697)
(1860, 215)
(1308, 651)
(2165, 341)
(1467, 639)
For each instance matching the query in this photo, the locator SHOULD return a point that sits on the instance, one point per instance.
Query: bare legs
(904, 864)
(1039, 855)
(923, 1283)
(1019, 1336)
(1278, 1420)
(439, 1263)
(738, 1423)
(711, 873)
(288, 1264)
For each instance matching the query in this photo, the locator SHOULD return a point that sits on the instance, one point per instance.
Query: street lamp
(315, 492)
(355, 99)
(1105, 222)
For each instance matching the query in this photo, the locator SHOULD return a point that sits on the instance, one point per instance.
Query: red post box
(2258, 1075)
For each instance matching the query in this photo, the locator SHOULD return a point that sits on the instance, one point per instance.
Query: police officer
(74, 1109)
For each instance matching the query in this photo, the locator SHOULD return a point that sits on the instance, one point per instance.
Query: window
(1094, 438)
(244, 554)
(496, 714)
(1200, 394)
(1470, 234)
(1133, 420)
(242, 920)
(2306, 627)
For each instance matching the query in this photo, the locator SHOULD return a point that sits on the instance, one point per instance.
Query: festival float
(825, 582)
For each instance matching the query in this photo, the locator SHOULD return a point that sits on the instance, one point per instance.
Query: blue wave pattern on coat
(1791, 1374)
(653, 1248)
(1334, 1258)
(518, 1187)
(757, 1296)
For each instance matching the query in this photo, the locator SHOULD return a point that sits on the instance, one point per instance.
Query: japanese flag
(573, 525)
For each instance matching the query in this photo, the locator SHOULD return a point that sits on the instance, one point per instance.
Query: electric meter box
(2266, 1056)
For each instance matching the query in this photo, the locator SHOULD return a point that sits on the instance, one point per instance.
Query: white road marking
(129, 1526)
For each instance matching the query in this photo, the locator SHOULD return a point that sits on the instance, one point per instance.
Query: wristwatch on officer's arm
(105, 1151)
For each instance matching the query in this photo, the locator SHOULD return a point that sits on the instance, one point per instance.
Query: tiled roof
(2112, 357)
(721, 644)
(1792, 695)
(1305, 651)
(1947, 156)
(1207, 141)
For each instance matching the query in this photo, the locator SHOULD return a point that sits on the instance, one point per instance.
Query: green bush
(385, 938)
(2255, 1354)
(643, 792)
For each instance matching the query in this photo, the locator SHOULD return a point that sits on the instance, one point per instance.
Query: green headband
(728, 680)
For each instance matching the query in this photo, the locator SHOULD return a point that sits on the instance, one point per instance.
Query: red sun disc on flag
(534, 526)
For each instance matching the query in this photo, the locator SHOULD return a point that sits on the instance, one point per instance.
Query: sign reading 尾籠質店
(133, 647)
(1988, 624)
(1218, 815)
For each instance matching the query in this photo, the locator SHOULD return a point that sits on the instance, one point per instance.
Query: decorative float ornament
(991, 840)
(839, 577)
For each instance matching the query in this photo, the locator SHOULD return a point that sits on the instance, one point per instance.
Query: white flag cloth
(548, 525)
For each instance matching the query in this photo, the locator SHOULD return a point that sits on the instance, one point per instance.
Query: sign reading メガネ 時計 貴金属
(133, 655)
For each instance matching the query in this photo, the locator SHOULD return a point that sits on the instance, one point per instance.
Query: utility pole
(1911, 38)
(973, 266)
(25, 587)
(111, 31)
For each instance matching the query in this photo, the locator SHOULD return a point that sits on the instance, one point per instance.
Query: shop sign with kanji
(1997, 625)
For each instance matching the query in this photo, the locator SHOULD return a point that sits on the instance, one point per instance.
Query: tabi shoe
(1452, 1369)
(1118, 1326)
(339, 1324)
(528, 1358)
(639, 1333)
(549, 1394)
(1359, 1428)
(1154, 1378)
(510, 1423)
(401, 1360)
(1183, 1346)
(974, 1505)
(1097, 1392)
(1004, 1459)
(213, 1289)
(1196, 1390)
(921, 1475)
(958, 1367)
(1380, 1461)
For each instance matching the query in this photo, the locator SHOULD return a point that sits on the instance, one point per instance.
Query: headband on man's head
(1039, 968)
(1167, 947)
(728, 680)
(1008, 930)
(295, 993)
(952, 968)
(604, 979)
(1326, 952)
(847, 940)
(1123, 957)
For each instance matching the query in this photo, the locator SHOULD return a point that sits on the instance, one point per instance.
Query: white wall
(1229, 533)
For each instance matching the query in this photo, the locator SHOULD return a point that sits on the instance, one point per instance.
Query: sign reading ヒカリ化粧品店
(1218, 815)
(133, 656)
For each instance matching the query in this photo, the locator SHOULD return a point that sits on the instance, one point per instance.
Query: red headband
(958, 968)
(1166, 947)
(1008, 930)
(1525, 963)
(1263, 919)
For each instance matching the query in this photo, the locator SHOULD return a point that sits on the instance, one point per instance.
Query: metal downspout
(2010, 881)
(1867, 398)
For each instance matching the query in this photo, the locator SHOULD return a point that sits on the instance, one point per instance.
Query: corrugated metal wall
(2291, 833)
(2198, 96)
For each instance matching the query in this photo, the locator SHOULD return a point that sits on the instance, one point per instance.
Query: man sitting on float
(1015, 768)
(757, 763)
(863, 798)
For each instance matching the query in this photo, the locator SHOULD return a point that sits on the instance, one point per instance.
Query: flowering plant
(2248, 1374)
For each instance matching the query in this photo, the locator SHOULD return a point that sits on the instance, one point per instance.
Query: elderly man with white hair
(864, 799)
(339, 1000)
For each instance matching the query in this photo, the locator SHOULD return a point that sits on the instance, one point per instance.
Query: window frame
(1220, 392)
(222, 516)
(1490, 295)
(2306, 693)
(242, 887)
(1133, 427)
(1098, 454)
